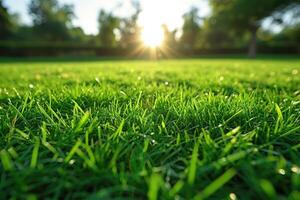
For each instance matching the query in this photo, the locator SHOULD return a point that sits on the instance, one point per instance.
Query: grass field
(174, 129)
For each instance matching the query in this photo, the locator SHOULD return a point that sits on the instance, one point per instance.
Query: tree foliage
(51, 20)
(289, 35)
(169, 37)
(190, 29)
(6, 24)
(247, 15)
(243, 15)
(130, 31)
(108, 24)
(214, 35)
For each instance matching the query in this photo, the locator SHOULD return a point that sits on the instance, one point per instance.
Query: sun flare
(152, 36)
(151, 19)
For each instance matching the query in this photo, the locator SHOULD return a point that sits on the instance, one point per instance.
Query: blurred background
(143, 28)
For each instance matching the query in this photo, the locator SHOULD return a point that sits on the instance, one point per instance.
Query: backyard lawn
(202, 128)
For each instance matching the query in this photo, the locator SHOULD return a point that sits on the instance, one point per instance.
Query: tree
(289, 36)
(50, 20)
(190, 29)
(6, 23)
(108, 24)
(247, 15)
(215, 35)
(129, 29)
(169, 38)
(293, 34)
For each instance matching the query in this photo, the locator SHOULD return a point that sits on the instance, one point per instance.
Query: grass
(175, 129)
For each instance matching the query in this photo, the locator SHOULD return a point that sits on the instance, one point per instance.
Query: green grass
(175, 129)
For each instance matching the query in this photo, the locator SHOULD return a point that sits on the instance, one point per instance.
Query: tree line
(231, 24)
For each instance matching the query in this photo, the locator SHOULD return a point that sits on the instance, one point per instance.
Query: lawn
(223, 128)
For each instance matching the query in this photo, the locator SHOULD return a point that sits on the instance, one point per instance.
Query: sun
(151, 19)
(152, 36)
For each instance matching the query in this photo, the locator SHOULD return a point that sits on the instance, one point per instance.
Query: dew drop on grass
(31, 86)
(281, 171)
(71, 162)
(97, 80)
(232, 196)
(166, 83)
(295, 169)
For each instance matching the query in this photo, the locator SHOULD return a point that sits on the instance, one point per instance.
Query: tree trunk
(253, 43)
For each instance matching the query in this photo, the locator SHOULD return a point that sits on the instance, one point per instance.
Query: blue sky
(165, 11)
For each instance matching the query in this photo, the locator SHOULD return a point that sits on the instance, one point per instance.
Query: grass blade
(216, 184)
(82, 121)
(193, 165)
(6, 161)
(73, 151)
(154, 185)
(35, 153)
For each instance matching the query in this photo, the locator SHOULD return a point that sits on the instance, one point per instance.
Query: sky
(167, 12)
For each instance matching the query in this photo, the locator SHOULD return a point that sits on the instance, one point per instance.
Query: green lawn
(175, 129)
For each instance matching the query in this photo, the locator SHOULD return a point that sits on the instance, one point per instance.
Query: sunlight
(155, 13)
(152, 17)
(152, 36)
